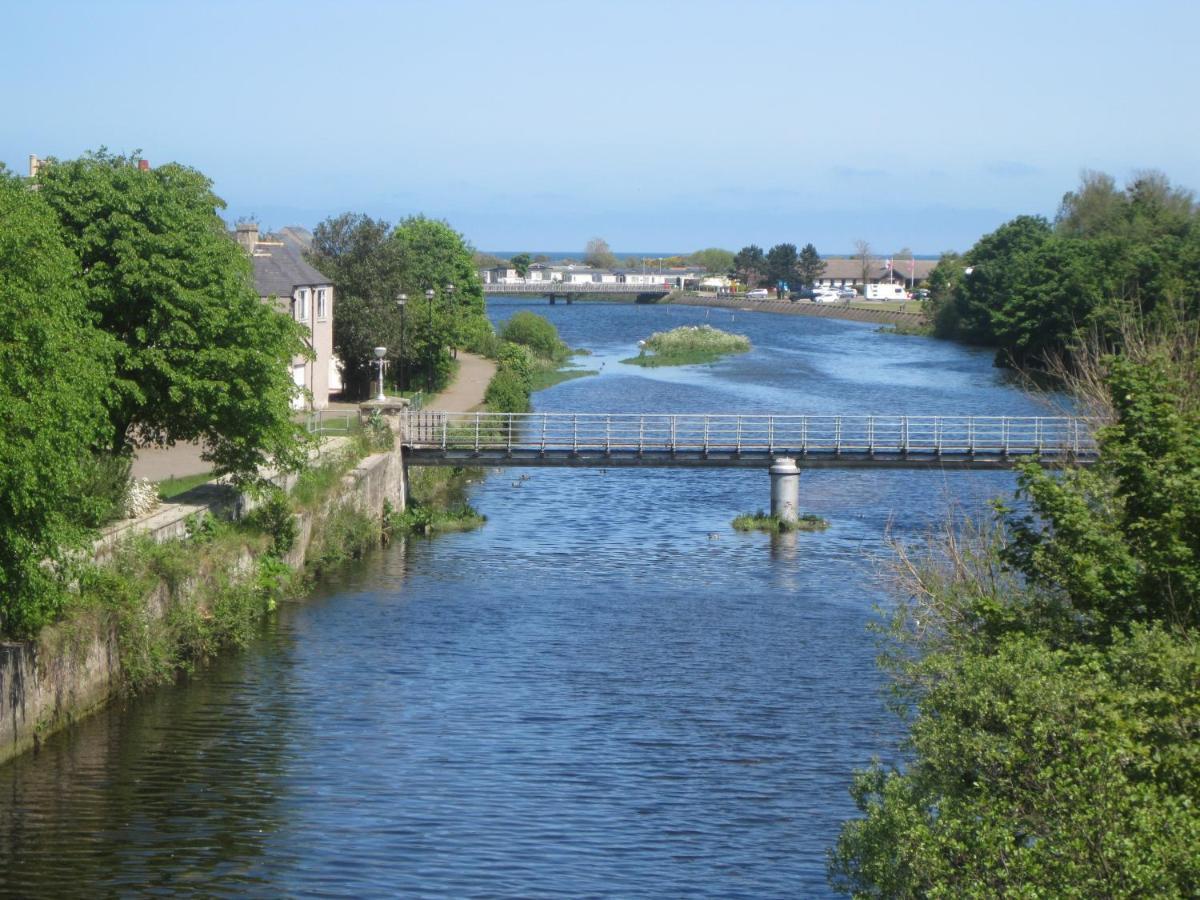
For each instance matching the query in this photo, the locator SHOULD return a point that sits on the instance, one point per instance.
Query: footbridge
(783, 444)
(612, 440)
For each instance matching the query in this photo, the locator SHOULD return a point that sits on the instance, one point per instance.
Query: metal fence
(782, 435)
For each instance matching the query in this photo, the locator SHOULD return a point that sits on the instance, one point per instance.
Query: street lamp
(402, 301)
(453, 320)
(380, 353)
(429, 371)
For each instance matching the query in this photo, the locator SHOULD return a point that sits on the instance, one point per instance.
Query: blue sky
(657, 125)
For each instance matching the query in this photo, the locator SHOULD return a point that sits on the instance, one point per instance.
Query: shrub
(535, 332)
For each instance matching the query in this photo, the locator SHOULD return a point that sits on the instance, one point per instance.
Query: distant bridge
(570, 290)
(609, 440)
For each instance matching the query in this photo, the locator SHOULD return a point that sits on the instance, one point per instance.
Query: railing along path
(578, 287)
(433, 438)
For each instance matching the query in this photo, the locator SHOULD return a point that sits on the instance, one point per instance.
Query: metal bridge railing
(649, 433)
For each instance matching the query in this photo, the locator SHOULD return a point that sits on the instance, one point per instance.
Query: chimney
(143, 165)
(247, 235)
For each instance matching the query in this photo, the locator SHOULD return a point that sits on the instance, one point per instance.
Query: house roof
(852, 268)
(279, 269)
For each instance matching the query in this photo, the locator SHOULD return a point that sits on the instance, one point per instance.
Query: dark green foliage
(198, 356)
(1039, 293)
(535, 332)
(781, 265)
(1051, 673)
(507, 392)
(371, 266)
(521, 262)
(53, 369)
(809, 266)
(273, 515)
(750, 264)
(107, 483)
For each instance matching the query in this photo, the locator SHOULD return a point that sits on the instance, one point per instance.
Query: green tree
(990, 268)
(521, 262)
(1052, 675)
(809, 266)
(198, 356)
(781, 265)
(713, 259)
(353, 250)
(599, 255)
(54, 368)
(750, 264)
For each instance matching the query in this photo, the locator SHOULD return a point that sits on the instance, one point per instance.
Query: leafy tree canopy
(53, 368)
(598, 254)
(781, 265)
(521, 262)
(750, 264)
(809, 265)
(197, 354)
(714, 259)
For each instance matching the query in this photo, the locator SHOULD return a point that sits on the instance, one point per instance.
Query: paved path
(464, 395)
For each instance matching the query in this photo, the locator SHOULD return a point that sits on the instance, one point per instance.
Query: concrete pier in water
(785, 489)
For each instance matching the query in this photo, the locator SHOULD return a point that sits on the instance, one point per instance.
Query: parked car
(758, 294)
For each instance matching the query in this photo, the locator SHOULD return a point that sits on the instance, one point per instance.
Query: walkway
(464, 395)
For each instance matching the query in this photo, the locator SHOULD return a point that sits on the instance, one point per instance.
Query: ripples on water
(589, 697)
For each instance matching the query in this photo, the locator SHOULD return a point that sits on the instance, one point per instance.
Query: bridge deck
(630, 439)
(561, 288)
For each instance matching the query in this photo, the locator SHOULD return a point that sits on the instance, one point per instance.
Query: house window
(302, 306)
(322, 311)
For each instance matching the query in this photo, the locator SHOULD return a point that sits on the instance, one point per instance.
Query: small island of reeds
(761, 521)
(688, 345)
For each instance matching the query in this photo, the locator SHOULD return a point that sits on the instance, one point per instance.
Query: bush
(507, 392)
(535, 332)
(107, 482)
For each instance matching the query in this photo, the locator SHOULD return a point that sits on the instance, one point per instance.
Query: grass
(688, 345)
(544, 378)
(438, 502)
(908, 306)
(761, 521)
(173, 487)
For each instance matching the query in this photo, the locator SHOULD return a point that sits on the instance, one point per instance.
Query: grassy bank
(688, 345)
(761, 521)
(437, 502)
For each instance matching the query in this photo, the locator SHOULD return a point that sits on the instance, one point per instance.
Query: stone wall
(73, 668)
(808, 308)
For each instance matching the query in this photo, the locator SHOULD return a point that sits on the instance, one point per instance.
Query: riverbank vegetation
(530, 357)
(128, 318)
(1039, 291)
(437, 502)
(688, 345)
(1048, 665)
(763, 521)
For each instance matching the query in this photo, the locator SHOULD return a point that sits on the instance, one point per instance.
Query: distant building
(842, 272)
(283, 277)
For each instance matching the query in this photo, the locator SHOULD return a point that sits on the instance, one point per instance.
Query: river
(604, 692)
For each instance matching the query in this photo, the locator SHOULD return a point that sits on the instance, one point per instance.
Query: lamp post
(453, 320)
(402, 301)
(429, 372)
(380, 353)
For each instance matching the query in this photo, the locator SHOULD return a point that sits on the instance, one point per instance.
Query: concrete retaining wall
(808, 308)
(73, 668)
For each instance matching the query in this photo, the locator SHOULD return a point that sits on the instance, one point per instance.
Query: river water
(604, 692)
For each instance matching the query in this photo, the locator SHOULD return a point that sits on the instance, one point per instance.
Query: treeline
(1048, 662)
(782, 263)
(412, 288)
(1039, 290)
(127, 317)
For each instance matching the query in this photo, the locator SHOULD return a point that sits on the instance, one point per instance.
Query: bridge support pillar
(785, 489)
